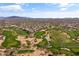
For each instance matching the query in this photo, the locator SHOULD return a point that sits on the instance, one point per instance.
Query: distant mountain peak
(14, 17)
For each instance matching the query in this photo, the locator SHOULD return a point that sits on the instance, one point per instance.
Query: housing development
(21, 36)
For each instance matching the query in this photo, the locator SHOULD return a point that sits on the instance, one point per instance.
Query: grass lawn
(43, 43)
(75, 51)
(73, 33)
(11, 34)
(19, 31)
(10, 40)
(58, 40)
(22, 32)
(39, 34)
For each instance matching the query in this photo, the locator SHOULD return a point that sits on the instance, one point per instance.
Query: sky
(40, 10)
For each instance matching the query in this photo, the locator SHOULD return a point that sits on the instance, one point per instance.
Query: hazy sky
(40, 10)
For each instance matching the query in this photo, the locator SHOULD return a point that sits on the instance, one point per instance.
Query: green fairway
(10, 40)
(43, 43)
(22, 32)
(39, 34)
(11, 34)
(19, 31)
